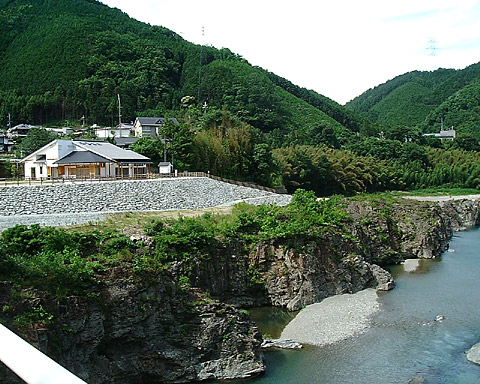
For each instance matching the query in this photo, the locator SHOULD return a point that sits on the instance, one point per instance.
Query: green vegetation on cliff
(68, 262)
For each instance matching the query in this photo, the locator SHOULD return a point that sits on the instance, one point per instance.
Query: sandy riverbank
(334, 319)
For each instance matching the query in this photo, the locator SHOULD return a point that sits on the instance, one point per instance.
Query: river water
(404, 344)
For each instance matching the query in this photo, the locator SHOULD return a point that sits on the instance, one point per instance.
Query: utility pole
(119, 112)
(9, 125)
(200, 66)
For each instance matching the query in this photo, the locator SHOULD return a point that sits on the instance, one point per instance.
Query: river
(404, 344)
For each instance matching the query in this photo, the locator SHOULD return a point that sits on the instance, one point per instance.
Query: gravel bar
(334, 319)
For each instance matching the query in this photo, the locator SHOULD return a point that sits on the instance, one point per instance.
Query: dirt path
(442, 198)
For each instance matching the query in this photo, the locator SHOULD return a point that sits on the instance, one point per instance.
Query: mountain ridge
(60, 61)
(424, 99)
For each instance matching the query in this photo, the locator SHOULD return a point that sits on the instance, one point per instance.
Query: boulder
(384, 279)
(473, 354)
(281, 343)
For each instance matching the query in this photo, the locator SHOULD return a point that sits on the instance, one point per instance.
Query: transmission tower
(432, 47)
(432, 52)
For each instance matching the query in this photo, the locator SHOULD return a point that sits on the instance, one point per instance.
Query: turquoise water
(271, 320)
(405, 344)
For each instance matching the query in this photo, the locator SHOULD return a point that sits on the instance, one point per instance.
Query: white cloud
(338, 48)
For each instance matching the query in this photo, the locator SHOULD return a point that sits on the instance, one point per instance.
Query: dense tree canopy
(63, 60)
(60, 61)
(36, 139)
(426, 100)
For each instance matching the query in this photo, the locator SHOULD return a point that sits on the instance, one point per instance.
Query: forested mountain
(60, 60)
(422, 99)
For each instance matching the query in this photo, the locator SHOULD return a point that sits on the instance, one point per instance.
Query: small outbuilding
(165, 167)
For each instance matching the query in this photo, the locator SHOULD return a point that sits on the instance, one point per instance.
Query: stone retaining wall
(138, 195)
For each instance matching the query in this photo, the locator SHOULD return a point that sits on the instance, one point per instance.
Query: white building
(123, 130)
(64, 131)
(443, 135)
(165, 167)
(84, 159)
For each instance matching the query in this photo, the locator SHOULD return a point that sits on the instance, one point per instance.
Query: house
(20, 130)
(125, 142)
(64, 131)
(83, 158)
(6, 144)
(150, 126)
(122, 130)
(443, 135)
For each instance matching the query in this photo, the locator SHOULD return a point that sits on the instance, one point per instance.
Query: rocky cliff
(162, 328)
(149, 331)
(296, 272)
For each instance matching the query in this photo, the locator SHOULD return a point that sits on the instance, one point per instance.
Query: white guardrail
(31, 365)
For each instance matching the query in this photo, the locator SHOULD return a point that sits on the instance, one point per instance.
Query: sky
(339, 48)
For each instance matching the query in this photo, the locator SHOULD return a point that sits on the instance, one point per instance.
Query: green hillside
(422, 99)
(60, 61)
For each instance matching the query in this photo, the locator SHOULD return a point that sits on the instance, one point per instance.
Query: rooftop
(157, 121)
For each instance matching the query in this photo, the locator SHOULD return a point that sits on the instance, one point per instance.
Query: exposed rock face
(300, 272)
(147, 333)
(281, 343)
(391, 233)
(286, 274)
(384, 279)
(311, 271)
(462, 214)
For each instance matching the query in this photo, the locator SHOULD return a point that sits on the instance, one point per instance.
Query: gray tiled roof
(111, 151)
(82, 157)
(121, 141)
(157, 121)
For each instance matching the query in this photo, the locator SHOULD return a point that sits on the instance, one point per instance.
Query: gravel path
(334, 319)
(53, 220)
